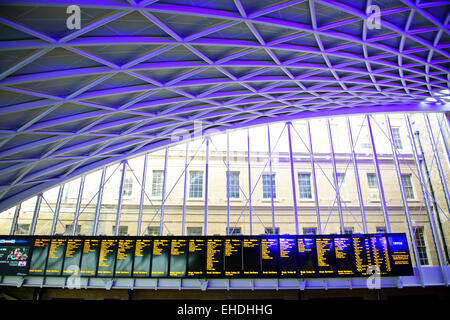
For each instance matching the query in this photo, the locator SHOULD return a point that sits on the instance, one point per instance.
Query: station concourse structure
(227, 117)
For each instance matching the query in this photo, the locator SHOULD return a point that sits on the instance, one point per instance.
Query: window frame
(274, 183)
(300, 187)
(189, 186)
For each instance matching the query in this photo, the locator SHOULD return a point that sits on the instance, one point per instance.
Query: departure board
(15, 256)
(89, 259)
(307, 256)
(269, 256)
(251, 256)
(107, 258)
(142, 258)
(124, 258)
(39, 257)
(399, 254)
(345, 260)
(196, 257)
(363, 256)
(232, 257)
(214, 257)
(380, 253)
(72, 256)
(56, 257)
(160, 257)
(178, 257)
(288, 263)
(325, 256)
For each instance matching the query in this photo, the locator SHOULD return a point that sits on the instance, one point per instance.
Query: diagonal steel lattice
(137, 72)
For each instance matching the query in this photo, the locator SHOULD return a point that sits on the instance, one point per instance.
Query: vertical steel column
(358, 182)
(183, 219)
(271, 179)
(163, 195)
(142, 198)
(78, 205)
(294, 193)
(336, 180)
(228, 183)
(205, 220)
(437, 243)
(380, 183)
(404, 199)
(119, 201)
(15, 219)
(249, 182)
(57, 209)
(438, 159)
(35, 214)
(98, 206)
(313, 170)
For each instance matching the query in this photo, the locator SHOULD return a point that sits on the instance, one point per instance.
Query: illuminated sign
(270, 256)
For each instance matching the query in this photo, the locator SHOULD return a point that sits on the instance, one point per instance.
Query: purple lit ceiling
(74, 100)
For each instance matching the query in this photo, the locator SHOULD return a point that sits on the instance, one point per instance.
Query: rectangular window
(397, 139)
(381, 229)
(309, 231)
(195, 184)
(127, 187)
(304, 185)
(194, 231)
(22, 228)
(267, 190)
(407, 183)
(233, 191)
(68, 229)
(234, 230)
(157, 183)
(348, 230)
(269, 230)
(421, 246)
(365, 140)
(372, 180)
(123, 230)
(153, 231)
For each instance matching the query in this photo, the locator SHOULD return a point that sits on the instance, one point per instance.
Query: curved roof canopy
(135, 72)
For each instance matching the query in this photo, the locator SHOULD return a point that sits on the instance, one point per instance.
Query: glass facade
(285, 189)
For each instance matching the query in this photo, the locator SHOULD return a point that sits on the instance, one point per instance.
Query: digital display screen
(363, 256)
(15, 256)
(380, 253)
(56, 257)
(107, 258)
(251, 256)
(345, 265)
(307, 256)
(288, 264)
(325, 256)
(72, 256)
(142, 258)
(269, 256)
(233, 257)
(262, 256)
(160, 258)
(214, 257)
(196, 257)
(89, 259)
(178, 257)
(399, 254)
(41, 247)
(124, 258)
